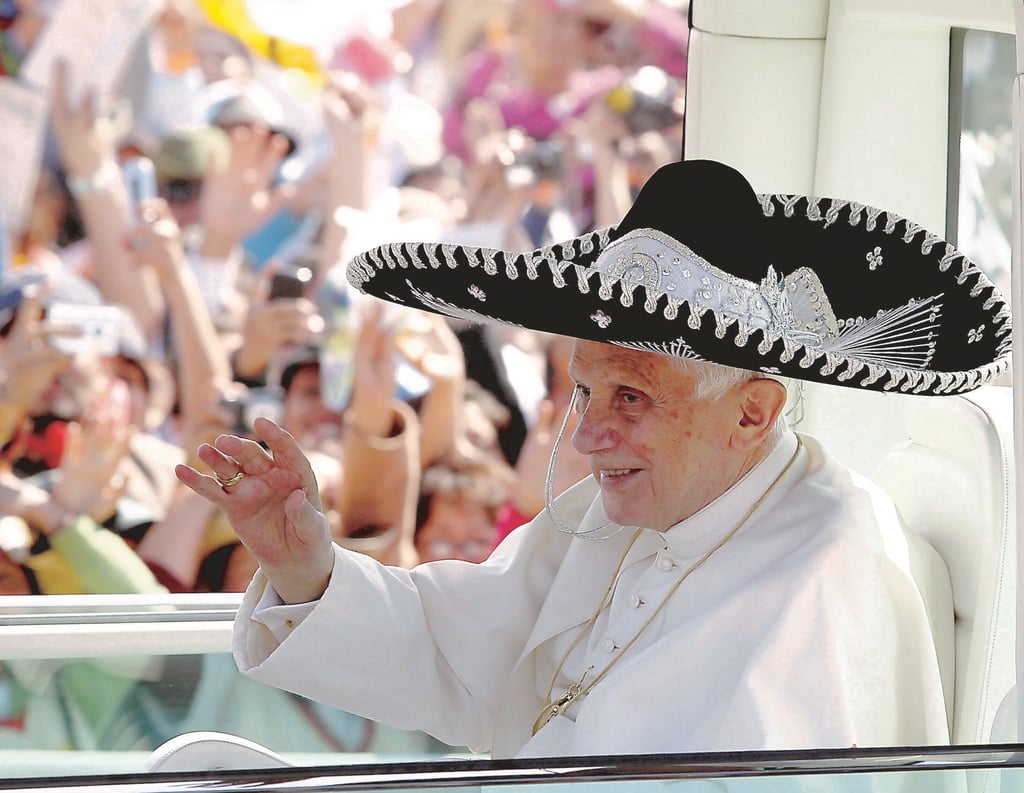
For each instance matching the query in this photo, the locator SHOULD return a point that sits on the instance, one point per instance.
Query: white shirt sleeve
(278, 617)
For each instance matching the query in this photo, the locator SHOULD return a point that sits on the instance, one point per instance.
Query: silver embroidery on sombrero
(433, 255)
(793, 308)
(679, 348)
(1001, 319)
(903, 336)
(444, 307)
(898, 329)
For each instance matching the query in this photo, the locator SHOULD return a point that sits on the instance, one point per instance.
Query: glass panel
(143, 609)
(981, 80)
(149, 668)
(107, 714)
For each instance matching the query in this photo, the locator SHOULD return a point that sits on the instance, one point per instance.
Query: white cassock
(805, 629)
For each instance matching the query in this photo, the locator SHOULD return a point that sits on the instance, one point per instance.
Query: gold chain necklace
(578, 689)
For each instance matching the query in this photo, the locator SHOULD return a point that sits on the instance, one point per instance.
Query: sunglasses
(180, 191)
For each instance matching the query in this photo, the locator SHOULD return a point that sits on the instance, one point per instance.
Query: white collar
(694, 535)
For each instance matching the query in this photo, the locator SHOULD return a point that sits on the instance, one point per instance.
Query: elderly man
(719, 582)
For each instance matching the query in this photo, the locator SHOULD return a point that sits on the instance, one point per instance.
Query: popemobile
(842, 106)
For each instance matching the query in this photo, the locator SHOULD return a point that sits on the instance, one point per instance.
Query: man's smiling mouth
(614, 472)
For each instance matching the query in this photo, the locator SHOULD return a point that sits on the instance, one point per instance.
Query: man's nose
(594, 432)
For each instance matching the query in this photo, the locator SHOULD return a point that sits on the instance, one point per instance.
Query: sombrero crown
(703, 267)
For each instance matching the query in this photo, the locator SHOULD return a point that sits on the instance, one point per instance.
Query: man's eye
(630, 398)
(580, 398)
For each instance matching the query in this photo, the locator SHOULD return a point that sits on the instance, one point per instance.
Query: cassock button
(665, 563)
(290, 623)
(608, 645)
(635, 601)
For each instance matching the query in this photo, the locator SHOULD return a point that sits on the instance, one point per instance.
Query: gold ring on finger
(230, 481)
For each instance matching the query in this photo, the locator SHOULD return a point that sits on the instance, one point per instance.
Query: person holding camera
(631, 132)
(77, 461)
(280, 316)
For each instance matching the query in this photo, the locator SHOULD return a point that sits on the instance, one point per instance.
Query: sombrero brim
(846, 294)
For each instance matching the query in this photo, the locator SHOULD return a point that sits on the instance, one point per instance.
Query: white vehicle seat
(212, 751)
(953, 483)
(1004, 724)
(947, 463)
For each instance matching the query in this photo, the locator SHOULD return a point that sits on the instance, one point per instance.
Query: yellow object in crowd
(233, 17)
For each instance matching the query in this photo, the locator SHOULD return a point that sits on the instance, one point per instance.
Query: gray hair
(714, 380)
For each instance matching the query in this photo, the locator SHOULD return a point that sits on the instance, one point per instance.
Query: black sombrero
(703, 267)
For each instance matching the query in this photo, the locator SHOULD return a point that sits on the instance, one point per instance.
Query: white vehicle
(910, 105)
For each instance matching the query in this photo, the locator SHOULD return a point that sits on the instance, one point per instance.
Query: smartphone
(139, 177)
(290, 282)
(543, 161)
(238, 423)
(253, 404)
(91, 328)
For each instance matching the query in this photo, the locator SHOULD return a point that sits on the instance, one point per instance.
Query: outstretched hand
(84, 136)
(239, 196)
(274, 507)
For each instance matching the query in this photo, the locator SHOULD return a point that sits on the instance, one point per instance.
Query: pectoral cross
(559, 705)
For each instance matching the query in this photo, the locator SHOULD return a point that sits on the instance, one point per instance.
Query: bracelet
(105, 176)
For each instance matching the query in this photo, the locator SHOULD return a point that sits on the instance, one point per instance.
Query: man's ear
(760, 402)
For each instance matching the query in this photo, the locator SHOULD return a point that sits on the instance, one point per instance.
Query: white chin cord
(602, 532)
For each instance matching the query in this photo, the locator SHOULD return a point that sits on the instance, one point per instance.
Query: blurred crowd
(179, 267)
(172, 267)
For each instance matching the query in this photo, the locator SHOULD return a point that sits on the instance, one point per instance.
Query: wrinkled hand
(275, 509)
(239, 196)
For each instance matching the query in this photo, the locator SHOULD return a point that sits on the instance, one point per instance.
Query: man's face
(305, 414)
(133, 378)
(78, 386)
(658, 454)
(182, 197)
(456, 528)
